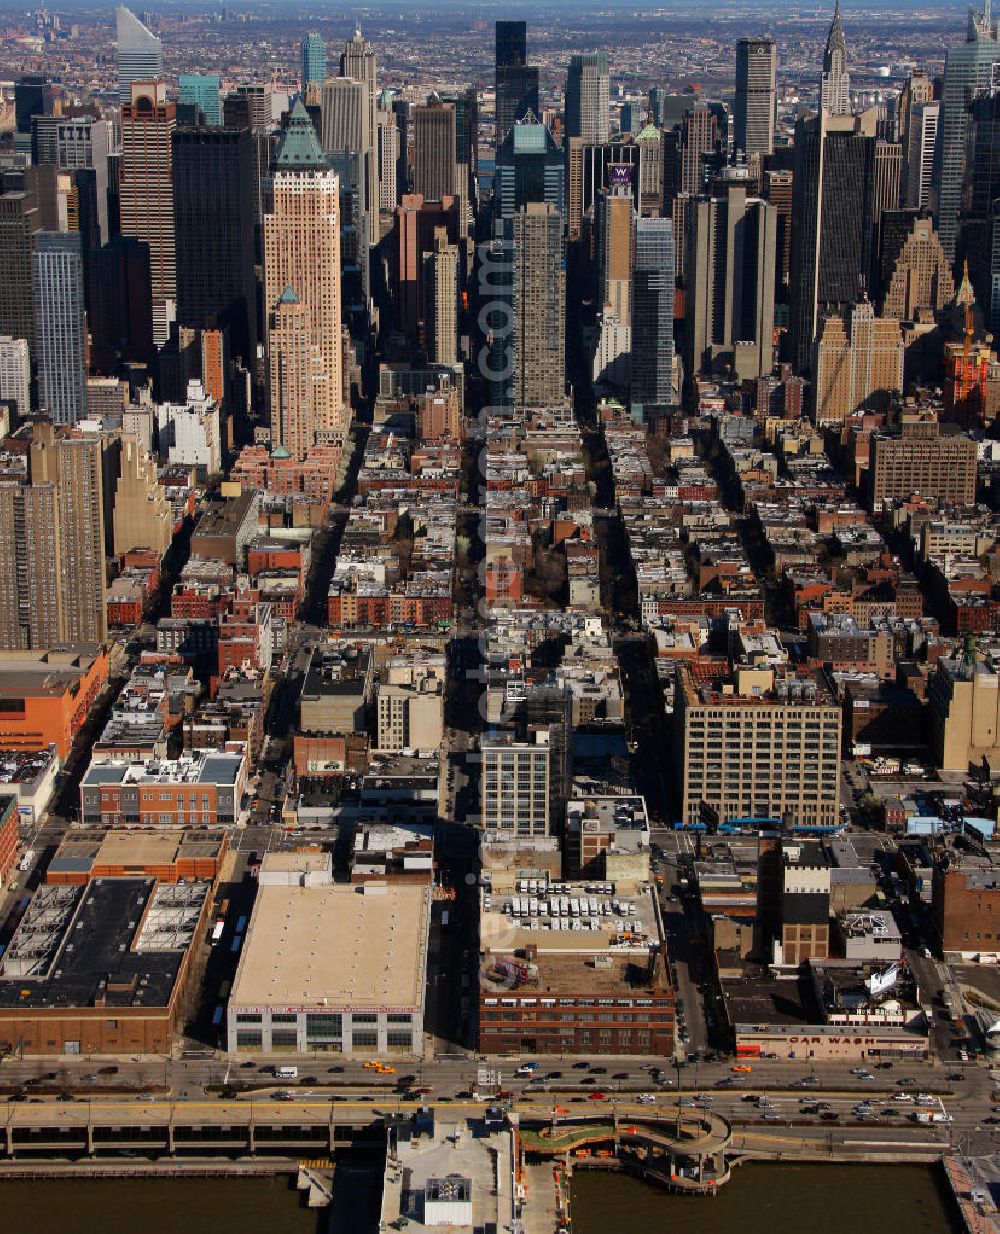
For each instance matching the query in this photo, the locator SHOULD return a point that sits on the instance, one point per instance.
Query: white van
(286, 1073)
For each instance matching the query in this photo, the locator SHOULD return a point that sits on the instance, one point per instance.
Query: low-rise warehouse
(332, 966)
(100, 969)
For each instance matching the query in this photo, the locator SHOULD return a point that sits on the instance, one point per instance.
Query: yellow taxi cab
(741, 1069)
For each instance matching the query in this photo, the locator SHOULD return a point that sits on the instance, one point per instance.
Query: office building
(778, 193)
(79, 145)
(344, 116)
(835, 84)
(434, 139)
(919, 154)
(142, 517)
(963, 695)
(60, 326)
(441, 287)
(146, 194)
(417, 223)
(516, 81)
(754, 107)
(387, 158)
(411, 717)
(650, 144)
(805, 904)
(252, 107)
(312, 52)
(980, 221)
(120, 313)
(529, 167)
(302, 257)
(364, 996)
(968, 71)
(832, 191)
(615, 224)
(653, 314)
(34, 95)
(20, 221)
(539, 307)
(857, 364)
(730, 268)
(213, 199)
(140, 53)
(915, 274)
(922, 459)
(204, 91)
(587, 97)
(758, 744)
(358, 63)
(15, 373)
(917, 89)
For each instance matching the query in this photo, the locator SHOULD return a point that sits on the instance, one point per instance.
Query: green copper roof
(648, 133)
(288, 296)
(280, 451)
(298, 146)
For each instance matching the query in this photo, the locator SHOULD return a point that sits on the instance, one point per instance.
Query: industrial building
(572, 968)
(331, 966)
(168, 855)
(101, 969)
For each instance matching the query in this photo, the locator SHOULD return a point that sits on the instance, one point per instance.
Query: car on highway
(581, 1066)
(830, 1116)
(370, 1066)
(620, 1075)
(597, 1096)
(955, 1076)
(598, 1071)
(741, 1069)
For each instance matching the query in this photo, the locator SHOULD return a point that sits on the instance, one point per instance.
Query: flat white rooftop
(337, 947)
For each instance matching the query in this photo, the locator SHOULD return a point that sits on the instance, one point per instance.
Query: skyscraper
(19, 224)
(387, 151)
(313, 52)
(434, 149)
(529, 167)
(344, 116)
(357, 62)
(835, 83)
(588, 97)
(539, 307)
(516, 81)
(213, 212)
(914, 272)
(968, 72)
(302, 293)
(753, 112)
(52, 572)
(616, 249)
(918, 153)
(205, 91)
(146, 192)
(653, 314)
(858, 363)
(79, 144)
(441, 300)
(60, 325)
(730, 267)
(140, 53)
(832, 223)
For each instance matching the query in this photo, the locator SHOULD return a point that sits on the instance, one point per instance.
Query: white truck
(286, 1073)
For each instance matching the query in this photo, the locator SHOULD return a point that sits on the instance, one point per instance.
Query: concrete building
(411, 717)
(539, 377)
(964, 701)
(31, 777)
(146, 194)
(46, 697)
(805, 905)
(337, 691)
(918, 154)
(729, 301)
(616, 251)
(333, 967)
(756, 744)
(20, 221)
(434, 150)
(60, 325)
(302, 266)
(857, 363)
(921, 459)
(142, 516)
(189, 433)
(915, 274)
(441, 286)
(15, 373)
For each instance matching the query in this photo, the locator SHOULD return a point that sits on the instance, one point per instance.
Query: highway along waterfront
(762, 1199)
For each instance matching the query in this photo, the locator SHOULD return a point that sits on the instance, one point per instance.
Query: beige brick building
(858, 362)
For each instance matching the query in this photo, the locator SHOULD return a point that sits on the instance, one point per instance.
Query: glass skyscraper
(313, 50)
(202, 89)
(653, 314)
(61, 343)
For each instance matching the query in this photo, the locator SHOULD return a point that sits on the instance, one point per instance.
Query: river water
(760, 1199)
(772, 1199)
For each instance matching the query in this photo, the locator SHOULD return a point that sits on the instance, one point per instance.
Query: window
(283, 1018)
(361, 1038)
(398, 1040)
(323, 1026)
(247, 1040)
(394, 1017)
(365, 1017)
(284, 1037)
(246, 1017)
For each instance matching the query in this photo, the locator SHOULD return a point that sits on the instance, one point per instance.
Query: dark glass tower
(516, 81)
(213, 208)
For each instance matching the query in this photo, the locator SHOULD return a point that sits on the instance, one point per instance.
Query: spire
(298, 147)
(965, 297)
(835, 83)
(835, 40)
